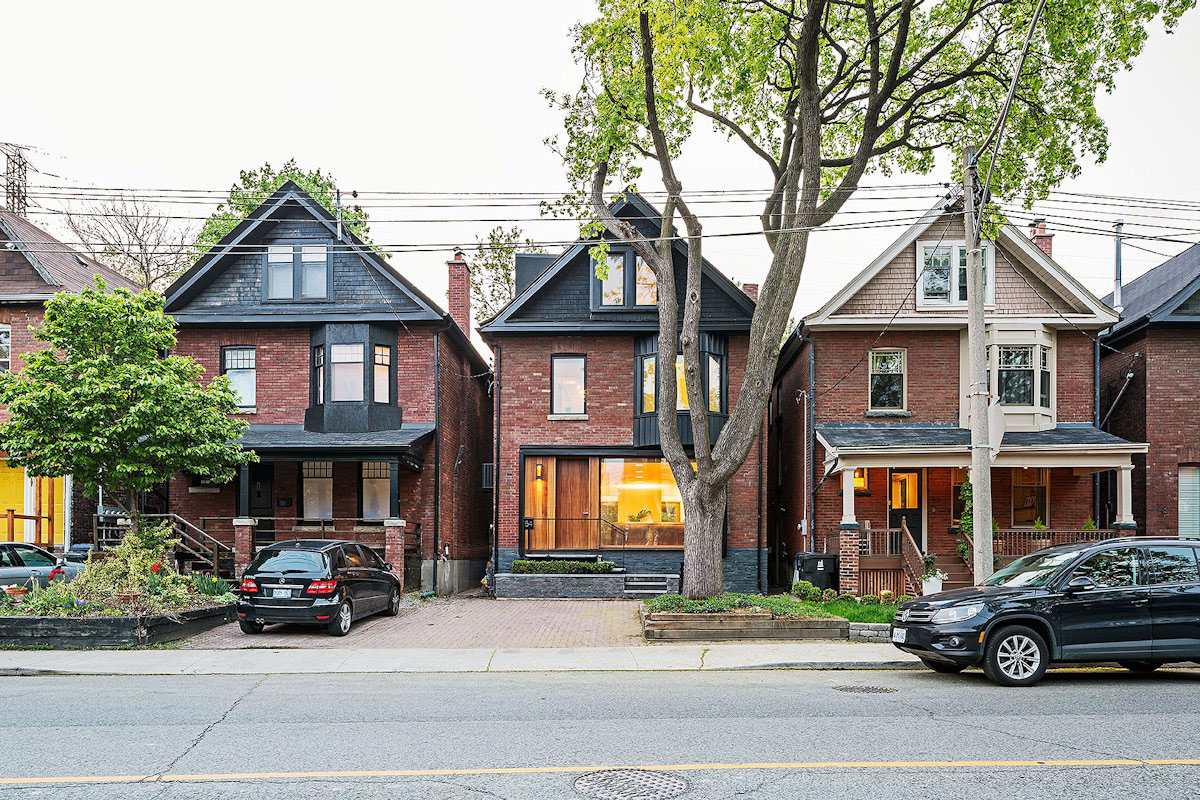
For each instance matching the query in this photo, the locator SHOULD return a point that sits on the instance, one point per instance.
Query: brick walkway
(459, 621)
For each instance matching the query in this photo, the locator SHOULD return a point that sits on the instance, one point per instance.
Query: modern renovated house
(869, 419)
(1148, 392)
(367, 404)
(579, 470)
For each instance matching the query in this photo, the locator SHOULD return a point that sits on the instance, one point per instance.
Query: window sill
(888, 412)
(246, 411)
(567, 417)
(204, 489)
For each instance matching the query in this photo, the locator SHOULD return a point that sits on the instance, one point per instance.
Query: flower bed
(734, 615)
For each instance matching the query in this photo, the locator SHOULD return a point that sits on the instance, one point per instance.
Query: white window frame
(5, 348)
(956, 250)
(903, 379)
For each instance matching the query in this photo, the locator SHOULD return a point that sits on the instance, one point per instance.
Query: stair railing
(911, 559)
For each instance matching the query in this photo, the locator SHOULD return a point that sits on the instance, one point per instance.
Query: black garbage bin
(819, 569)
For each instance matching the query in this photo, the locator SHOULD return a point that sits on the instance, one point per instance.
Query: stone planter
(608, 586)
(67, 632)
(743, 625)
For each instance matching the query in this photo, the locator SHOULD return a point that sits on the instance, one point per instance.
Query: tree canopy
(256, 185)
(493, 268)
(103, 404)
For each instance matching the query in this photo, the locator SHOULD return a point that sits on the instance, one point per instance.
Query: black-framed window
(645, 287)
(888, 375)
(381, 373)
(318, 372)
(1014, 376)
(612, 282)
(296, 271)
(316, 489)
(375, 490)
(5, 348)
(238, 365)
(713, 380)
(568, 384)
(627, 282)
(346, 372)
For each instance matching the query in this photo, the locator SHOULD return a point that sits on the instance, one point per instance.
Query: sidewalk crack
(703, 654)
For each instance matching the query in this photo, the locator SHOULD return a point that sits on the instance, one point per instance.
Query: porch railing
(197, 549)
(355, 529)
(1013, 543)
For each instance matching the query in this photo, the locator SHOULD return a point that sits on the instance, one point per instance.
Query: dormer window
(628, 282)
(612, 285)
(944, 280)
(296, 272)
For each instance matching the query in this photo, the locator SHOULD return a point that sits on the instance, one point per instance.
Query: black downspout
(759, 555)
(811, 435)
(437, 453)
(1096, 422)
(496, 471)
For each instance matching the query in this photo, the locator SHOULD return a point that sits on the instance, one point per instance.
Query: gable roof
(56, 266)
(1156, 294)
(1090, 310)
(648, 218)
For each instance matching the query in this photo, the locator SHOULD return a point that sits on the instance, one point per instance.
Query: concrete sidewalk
(733, 656)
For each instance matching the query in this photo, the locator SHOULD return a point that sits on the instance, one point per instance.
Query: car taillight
(321, 587)
(248, 585)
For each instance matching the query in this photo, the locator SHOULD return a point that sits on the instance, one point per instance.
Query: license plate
(276, 593)
(899, 635)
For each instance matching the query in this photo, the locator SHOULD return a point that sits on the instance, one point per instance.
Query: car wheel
(393, 607)
(943, 667)
(340, 624)
(250, 626)
(1141, 666)
(1016, 656)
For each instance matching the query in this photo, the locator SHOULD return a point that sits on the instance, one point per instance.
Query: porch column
(848, 538)
(243, 543)
(243, 498)
(393, 545)
(394, 490)
(1124, 519)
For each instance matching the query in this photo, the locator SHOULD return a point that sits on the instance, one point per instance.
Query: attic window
(942, 276)
(296, 272)
(628, 282)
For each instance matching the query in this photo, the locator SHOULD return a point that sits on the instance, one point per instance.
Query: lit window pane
(640, 504)
(279, 272)
(383, 360)
(1029, 497)
(346, 365)
(681, 400)
(567, 385)
(313, 264)
(319, 372)
(647, 284)
(612, 286)
(238, 366)
(714, 384)
(649, 385)
(317, 489)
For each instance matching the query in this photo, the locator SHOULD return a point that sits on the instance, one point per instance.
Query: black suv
(317, 582)
(1135, 601)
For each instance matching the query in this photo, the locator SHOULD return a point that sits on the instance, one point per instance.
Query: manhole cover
(630, 784)
(864, 689)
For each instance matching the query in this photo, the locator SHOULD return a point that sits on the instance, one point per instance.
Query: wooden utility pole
(978, 392)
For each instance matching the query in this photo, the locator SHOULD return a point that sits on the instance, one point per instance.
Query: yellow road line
(417, 773)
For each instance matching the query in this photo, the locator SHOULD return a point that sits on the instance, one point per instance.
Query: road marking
(418, 773)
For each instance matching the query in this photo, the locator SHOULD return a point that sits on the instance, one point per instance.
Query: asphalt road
(729, 734)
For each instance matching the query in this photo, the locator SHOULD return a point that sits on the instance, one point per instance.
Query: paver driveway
(459, 621)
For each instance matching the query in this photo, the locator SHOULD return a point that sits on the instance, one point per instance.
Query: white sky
(444, 97)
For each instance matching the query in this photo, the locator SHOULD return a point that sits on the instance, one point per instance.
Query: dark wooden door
(573, 528)
(262, 502)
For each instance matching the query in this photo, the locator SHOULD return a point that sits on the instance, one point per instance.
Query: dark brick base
(741, 567)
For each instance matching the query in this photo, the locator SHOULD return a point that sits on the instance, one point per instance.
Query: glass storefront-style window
(641, 504)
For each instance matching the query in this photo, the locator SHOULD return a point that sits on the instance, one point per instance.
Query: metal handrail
(911, 559)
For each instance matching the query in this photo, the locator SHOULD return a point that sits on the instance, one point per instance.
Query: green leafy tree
(256, 185)
(821, 93)
(104, 404)
(493, 269)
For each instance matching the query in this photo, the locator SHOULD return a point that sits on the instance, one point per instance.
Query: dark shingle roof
(1144, 295)
(883, 435)
(409, 437)
(60, 266)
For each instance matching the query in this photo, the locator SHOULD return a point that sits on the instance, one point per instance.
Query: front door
(904, 502)
(1111, 620)
(573, 528)
(262, 502)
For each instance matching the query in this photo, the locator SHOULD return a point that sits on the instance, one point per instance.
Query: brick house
(580, 473)
(367, 404)
(870, 418)
(1148, 392)
(34, 266)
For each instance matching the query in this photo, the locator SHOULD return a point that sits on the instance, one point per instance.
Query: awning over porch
(293, 442)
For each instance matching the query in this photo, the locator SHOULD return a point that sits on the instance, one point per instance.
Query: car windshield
(1031, 570)
(287, 561)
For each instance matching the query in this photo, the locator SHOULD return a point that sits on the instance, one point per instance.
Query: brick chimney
(751, 291)
(459, 292)
(1044, 241)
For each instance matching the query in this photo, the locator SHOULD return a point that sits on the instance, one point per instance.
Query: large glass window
(1029, 489)
(568, 375)
(612, 285)
(316, 478)
(640, 504)
(1014, 383)
(313, 266)
(713, 383)
(681, 398)
(376, 489)
(887, 379)
(381, 373)
(646, 293)
(237, 363)
(1110, 569)
(279, 272)
(346, 363)
(5, 348)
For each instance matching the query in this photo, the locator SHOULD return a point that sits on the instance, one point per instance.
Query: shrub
(829, 595)
(561, 567)
(846, 597)
(869, 600)
(1089, 524)
(887, 597)
(902, 599)
(806, 591)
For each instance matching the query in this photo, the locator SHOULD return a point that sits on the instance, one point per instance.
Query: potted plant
(16, 593)
(932, 577)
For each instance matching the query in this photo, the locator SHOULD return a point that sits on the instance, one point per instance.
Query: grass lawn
(781, 605)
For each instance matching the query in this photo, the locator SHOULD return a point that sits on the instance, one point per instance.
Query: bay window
(1044, 383)
(318, 371)
(346, 365)
(1014, 375)
(712, 380)
(382, 373)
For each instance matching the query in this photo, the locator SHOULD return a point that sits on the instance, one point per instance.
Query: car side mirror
(1079, 584)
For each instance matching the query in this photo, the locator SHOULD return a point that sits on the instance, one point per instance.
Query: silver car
(20, 562)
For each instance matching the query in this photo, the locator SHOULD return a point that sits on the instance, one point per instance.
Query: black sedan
(316, 582)
(1135, 601)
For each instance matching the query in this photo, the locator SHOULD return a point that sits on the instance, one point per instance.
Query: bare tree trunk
(703, 534)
